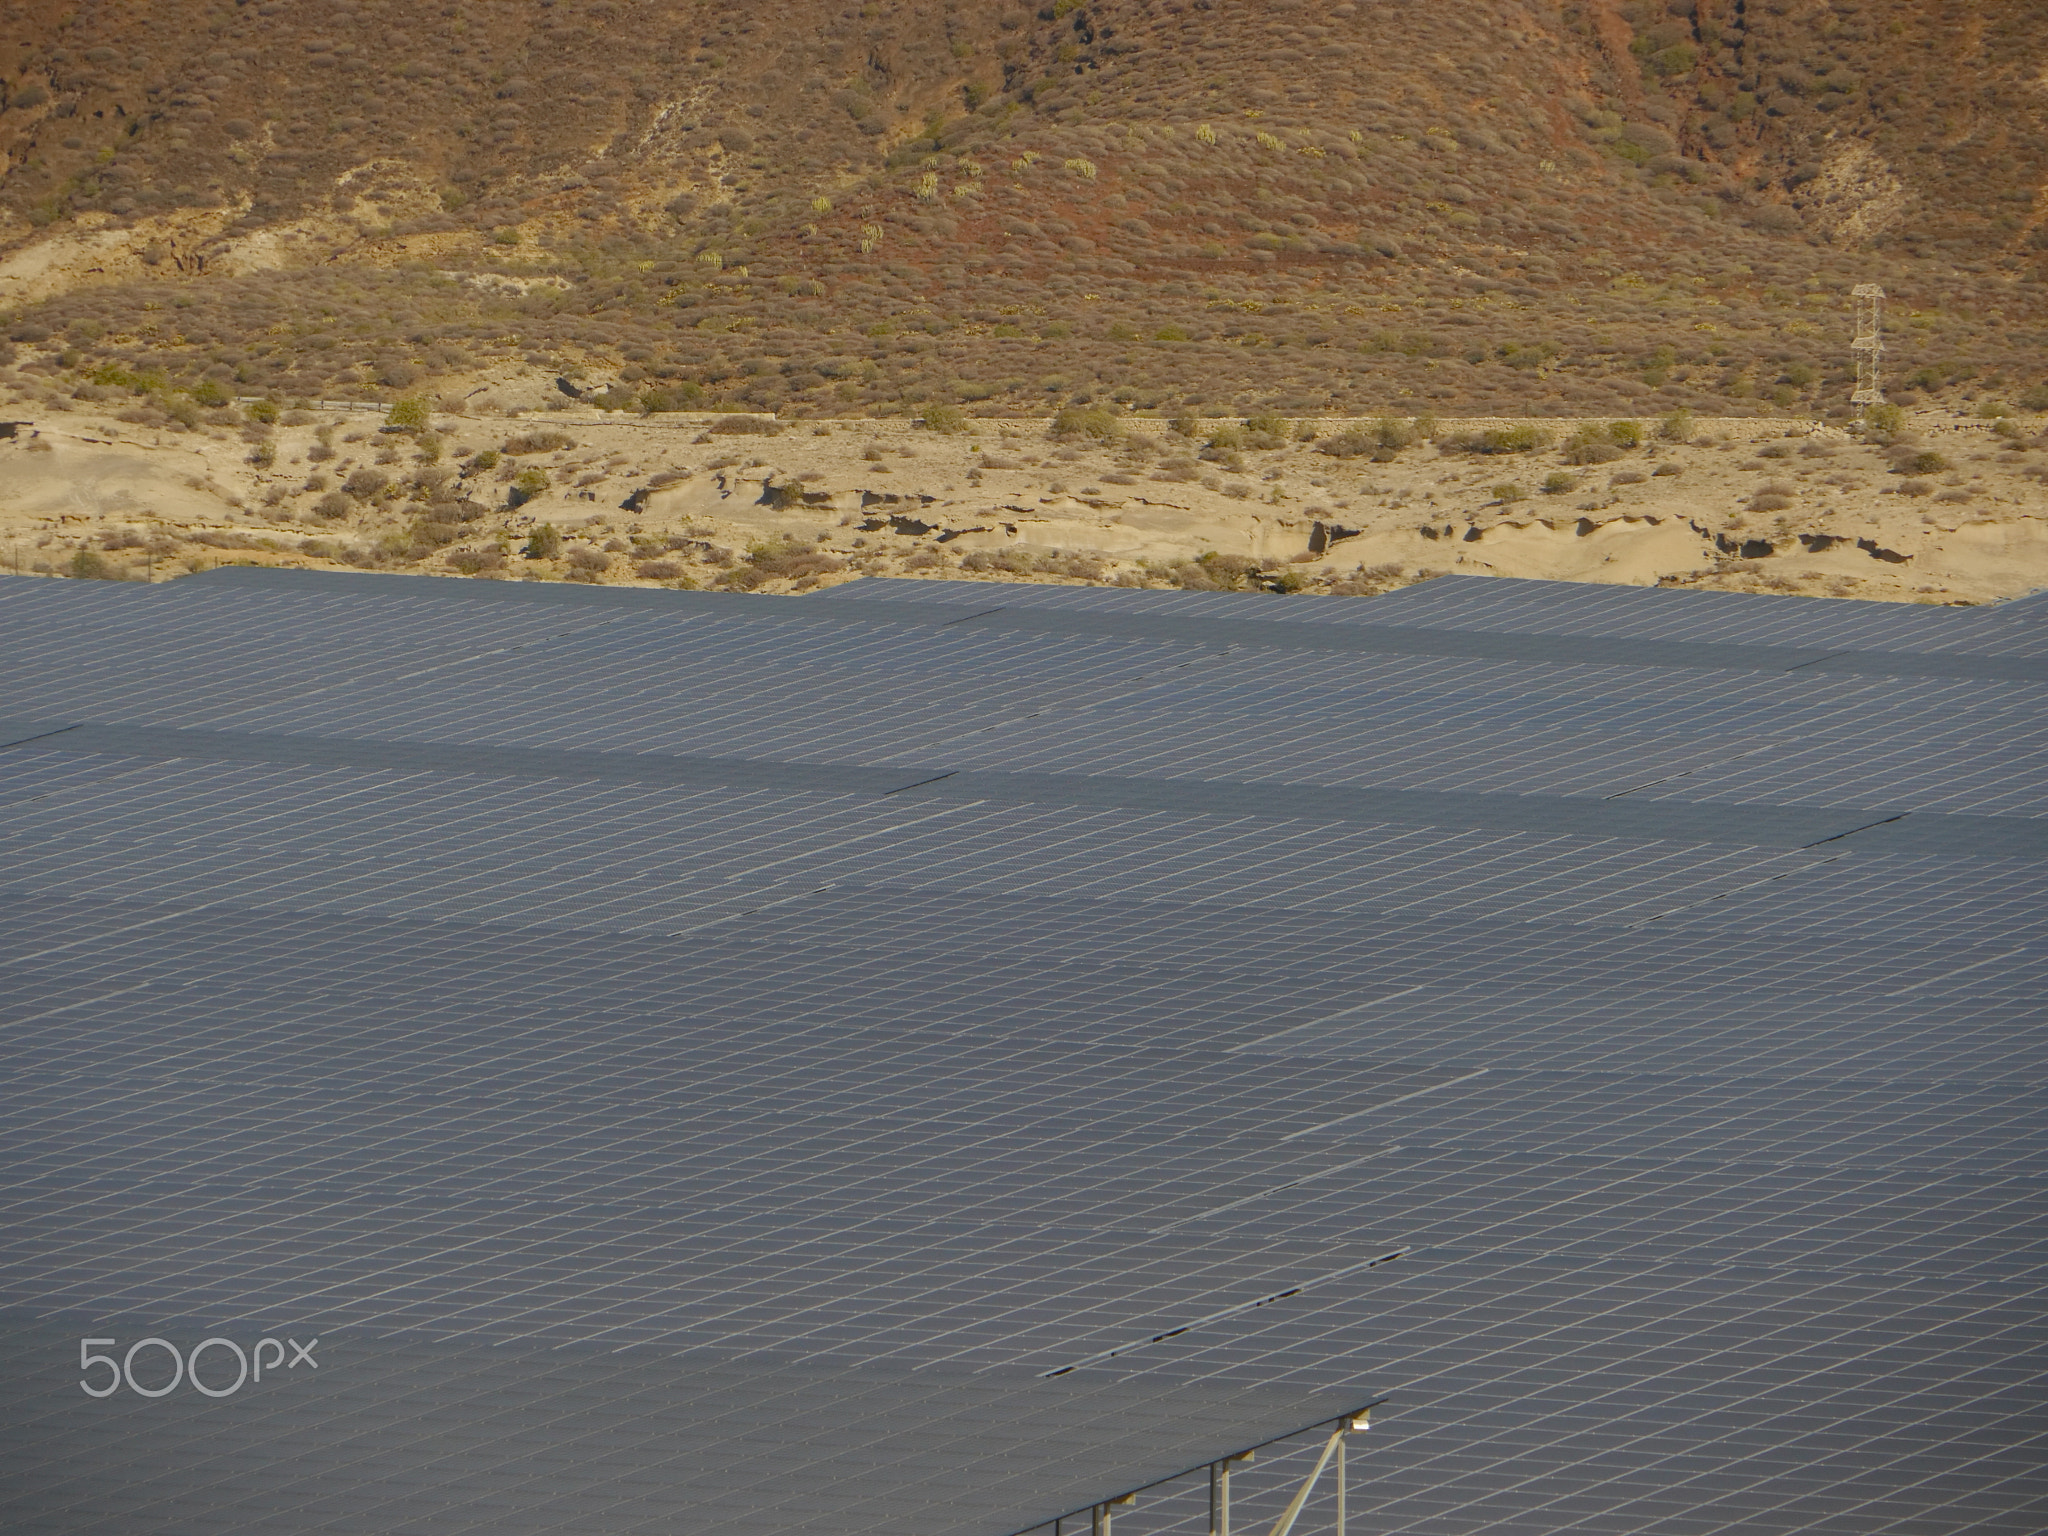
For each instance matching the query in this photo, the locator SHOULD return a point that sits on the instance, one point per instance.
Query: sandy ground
(662, 501)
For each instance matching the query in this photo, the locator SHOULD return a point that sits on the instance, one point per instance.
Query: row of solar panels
(672, 1101)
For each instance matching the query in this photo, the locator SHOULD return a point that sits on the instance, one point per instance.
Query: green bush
(545, 544)
(1557, 482)
(114, 376)
(1625, 434)
(1926, 462)
(1676, 427)
(90, 565)
(531, 483)
(1888, 420)
(944, 418)
(2034, 399)
(265, 411)
(408, 412)
(1094, 421)
(1509, 491)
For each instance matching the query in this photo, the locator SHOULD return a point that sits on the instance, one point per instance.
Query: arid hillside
(824, 208)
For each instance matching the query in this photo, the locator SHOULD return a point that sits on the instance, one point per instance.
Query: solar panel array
(929, 1056)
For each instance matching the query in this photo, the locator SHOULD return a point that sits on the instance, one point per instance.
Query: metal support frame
(1101, 1515)
(1349, 1425)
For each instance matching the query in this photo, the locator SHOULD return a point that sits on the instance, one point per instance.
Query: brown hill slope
(820, 207)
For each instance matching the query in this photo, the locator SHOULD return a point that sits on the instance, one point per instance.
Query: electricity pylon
(1869, 343)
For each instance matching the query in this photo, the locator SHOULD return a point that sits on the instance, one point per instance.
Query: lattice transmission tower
(1869, 343)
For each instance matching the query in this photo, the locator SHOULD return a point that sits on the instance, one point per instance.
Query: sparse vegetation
(1092, 187)
(1239, 221)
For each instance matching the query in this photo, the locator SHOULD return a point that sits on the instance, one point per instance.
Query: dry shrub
(1099, 423)
(1381, 442)
(1515, 439)
(790, 559)
(1212, 572)
(539, 442)
(1590, 445)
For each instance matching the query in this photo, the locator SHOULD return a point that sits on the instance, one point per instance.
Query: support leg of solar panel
(1219, 1492)
(1284, 1526)
(1340, 1483)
